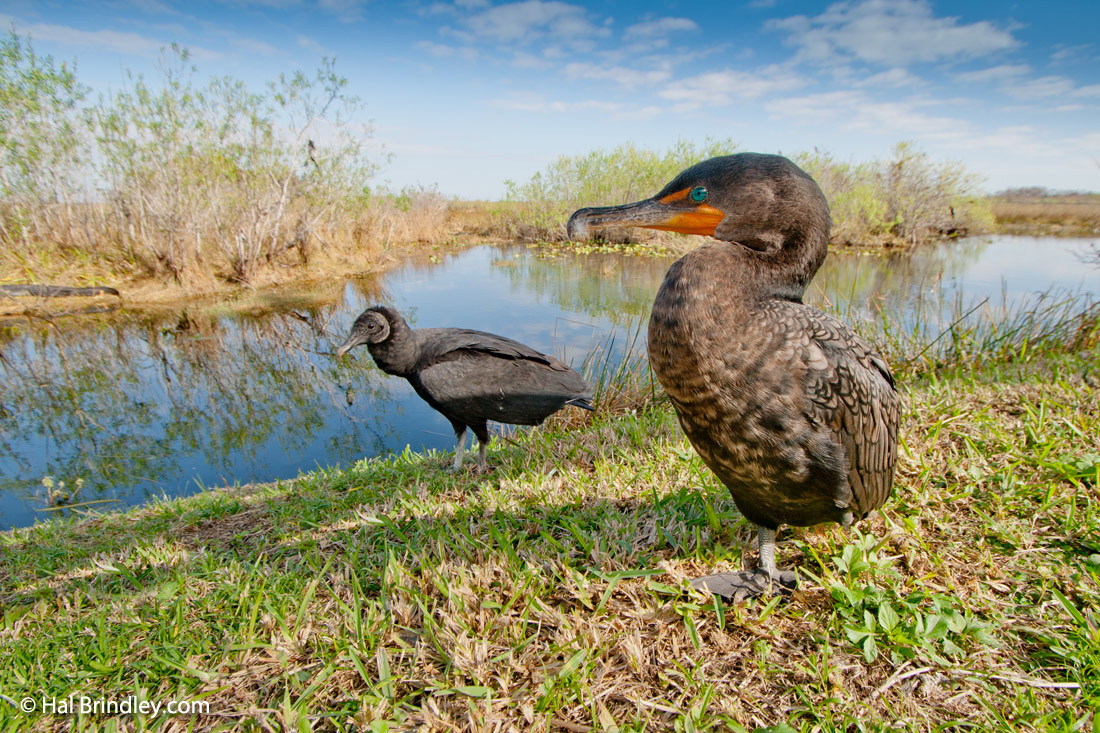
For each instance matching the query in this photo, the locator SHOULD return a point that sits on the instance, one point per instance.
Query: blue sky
(468, 93)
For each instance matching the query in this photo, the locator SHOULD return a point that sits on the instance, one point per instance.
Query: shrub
(905, 199)
(415, 214)
(43, 145)
(219, 170)
(175, 178)
(540, 208)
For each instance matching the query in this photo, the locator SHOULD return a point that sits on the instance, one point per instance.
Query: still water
(136, 405)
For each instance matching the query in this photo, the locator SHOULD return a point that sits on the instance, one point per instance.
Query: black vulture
(469, 376)
(795, 413)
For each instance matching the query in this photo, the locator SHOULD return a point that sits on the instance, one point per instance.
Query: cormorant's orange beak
(663, 213)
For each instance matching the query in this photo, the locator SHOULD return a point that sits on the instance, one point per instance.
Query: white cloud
(1012, 83)
(252, 46)
(395, 147)
(154, 6)
(624, 77)
(1041, 88)
(524, 60)
(105, 40)
(719, 88)
(1083, 53)
(444, 51)
(891, 33)
(660, 27)
(307, 42)
(1002, 73)
(1024, 141)
(537, 103)
(531, 102)
(855, 111)
(532, 19)
(438, 9)
(277, 4)
(1089, 142)
(894, 78)
(346, 11)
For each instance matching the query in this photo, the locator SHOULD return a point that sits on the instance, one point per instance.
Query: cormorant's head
(763, 202)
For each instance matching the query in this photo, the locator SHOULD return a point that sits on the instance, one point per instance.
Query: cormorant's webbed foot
(738, 587)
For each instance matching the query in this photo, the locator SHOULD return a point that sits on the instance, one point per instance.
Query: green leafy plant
(905, 626)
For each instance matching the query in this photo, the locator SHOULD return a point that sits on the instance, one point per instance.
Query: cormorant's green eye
(698, 194)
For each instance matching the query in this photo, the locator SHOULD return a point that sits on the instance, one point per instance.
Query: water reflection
(140, 405)
(926, 290)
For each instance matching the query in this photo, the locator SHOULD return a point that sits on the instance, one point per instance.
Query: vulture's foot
(738, 587)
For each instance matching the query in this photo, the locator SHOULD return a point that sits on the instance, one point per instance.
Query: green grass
(552, 594)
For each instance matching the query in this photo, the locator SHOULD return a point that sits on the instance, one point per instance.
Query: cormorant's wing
(850, 389)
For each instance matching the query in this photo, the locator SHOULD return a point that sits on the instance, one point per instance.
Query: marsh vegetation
(902, 200)
(188, 183)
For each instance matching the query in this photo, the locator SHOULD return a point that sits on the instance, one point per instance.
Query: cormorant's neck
(785, 271)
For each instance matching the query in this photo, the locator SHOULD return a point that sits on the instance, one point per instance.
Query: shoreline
(151, 293)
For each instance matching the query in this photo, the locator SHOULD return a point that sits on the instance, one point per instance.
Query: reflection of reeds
(128, 404)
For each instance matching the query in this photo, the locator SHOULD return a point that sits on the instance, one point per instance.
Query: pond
(135, 405)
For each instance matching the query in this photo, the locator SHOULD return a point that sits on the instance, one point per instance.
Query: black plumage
(795, 413)
(469, 376)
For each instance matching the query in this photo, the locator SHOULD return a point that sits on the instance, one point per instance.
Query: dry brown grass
(1053, 215)
(379, 235)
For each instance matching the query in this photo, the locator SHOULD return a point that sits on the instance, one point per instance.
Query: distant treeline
(1042, 192)
(905, 199)
(184, 180)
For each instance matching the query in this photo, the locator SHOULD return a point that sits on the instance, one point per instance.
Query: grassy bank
(551, 594)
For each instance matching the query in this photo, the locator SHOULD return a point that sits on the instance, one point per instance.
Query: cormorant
(795, 413)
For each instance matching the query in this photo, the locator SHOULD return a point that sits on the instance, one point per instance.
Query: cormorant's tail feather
(582, 402)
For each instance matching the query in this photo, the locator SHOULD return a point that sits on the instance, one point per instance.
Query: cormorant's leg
(482, 433)
(747, 584)
(765, 542)
(784, 581)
